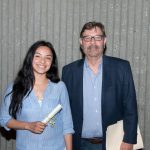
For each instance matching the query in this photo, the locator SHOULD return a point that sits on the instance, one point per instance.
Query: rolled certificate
(52, 114)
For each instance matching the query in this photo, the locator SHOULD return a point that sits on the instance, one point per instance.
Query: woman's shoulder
(58, 87)
(59, 84)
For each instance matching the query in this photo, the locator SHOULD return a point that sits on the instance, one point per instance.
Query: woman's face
(42, 60)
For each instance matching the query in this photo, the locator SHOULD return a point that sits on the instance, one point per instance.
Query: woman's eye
(48, 58)
(36, 56)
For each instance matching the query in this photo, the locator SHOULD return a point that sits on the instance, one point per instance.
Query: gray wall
(127, 25)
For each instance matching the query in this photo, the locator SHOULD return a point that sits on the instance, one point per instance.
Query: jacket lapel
(106, 84)
(78, 75)
(106, 81)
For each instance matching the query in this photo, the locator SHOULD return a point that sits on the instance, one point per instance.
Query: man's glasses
(96, 38)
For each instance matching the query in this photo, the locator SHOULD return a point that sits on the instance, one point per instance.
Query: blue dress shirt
(92, 117)
(52, 138)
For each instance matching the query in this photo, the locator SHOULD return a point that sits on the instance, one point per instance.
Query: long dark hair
(24, 82)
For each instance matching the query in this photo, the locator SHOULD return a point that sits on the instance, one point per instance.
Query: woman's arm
(67, 118)
(8, 122)
(35, 127)
(68, 141)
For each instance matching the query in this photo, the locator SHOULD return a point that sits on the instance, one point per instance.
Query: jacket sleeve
(64, 70)
(130, 107)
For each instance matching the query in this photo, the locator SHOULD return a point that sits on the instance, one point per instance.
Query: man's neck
(94, 62)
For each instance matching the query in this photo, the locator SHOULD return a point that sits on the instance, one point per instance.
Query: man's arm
(130, 108)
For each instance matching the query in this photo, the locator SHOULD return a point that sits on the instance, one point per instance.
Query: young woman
(35, 92)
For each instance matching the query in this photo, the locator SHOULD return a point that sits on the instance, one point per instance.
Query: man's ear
(105, 39)
(80, 40)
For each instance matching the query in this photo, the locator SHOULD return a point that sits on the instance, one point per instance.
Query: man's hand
(35, 127)
(126, 146)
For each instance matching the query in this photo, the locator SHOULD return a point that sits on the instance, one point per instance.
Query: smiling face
(42, 60)
(94, 47)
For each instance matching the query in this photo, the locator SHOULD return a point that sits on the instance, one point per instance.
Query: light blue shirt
(52, 138)
(92, 117)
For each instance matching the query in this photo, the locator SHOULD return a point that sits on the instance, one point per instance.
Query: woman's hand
(68, 141)
(35, 127)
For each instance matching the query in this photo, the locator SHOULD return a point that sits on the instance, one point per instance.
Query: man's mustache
(93, 46)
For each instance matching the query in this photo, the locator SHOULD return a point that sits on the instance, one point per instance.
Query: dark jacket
(118, 97)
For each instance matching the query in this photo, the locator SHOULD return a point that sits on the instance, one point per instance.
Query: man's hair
(91, 25)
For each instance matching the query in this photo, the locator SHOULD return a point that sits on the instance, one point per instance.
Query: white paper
(114, 137)
(52, 114)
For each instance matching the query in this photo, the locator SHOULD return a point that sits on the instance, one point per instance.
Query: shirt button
(96, 110)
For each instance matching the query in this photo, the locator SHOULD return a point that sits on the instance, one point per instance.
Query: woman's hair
(24, 82)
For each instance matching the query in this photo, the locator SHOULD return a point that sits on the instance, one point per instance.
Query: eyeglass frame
(92, 37)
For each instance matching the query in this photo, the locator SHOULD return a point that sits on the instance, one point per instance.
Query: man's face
(93, 42)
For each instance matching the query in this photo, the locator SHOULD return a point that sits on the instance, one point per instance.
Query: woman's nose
(42, 60)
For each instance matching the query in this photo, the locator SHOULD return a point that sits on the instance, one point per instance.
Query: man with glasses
(101, 92)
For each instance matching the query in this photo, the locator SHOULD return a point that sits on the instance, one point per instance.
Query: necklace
(39, 90)
(40, 97)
